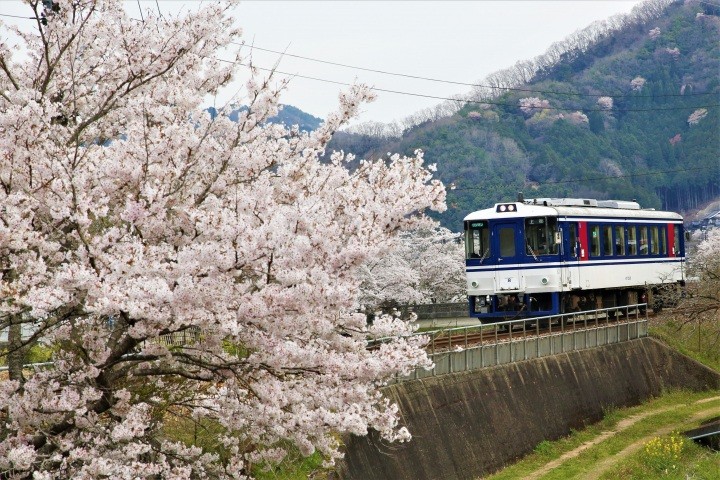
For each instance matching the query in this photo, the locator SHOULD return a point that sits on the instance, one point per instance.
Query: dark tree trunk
(16, 351)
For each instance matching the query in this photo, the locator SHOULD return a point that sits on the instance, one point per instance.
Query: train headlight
(475, 284)
(544, 280)
(506, 207)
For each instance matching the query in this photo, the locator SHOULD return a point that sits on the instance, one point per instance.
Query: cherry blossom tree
(700, 301)
(637, 83)
(426, 265)
(531, 105)
(674, 53)
(703, 292)
(577, 118)
(183, 268)
(606, 103)
(696, 116)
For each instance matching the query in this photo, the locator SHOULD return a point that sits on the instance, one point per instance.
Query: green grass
(700, 341)
(38, 353)
(696, 340)
(669, 456)
(295, 467)
(695, 461)
(206, 434)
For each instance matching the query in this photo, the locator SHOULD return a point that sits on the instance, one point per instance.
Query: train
(549, 256)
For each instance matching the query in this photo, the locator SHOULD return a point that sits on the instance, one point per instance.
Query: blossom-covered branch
(129, 216)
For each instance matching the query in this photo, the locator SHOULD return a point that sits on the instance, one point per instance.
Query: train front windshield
(477, 239)
(539, 236)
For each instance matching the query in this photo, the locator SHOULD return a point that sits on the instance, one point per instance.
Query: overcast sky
(459, 41)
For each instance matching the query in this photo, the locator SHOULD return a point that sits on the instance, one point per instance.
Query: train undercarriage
(509, 306)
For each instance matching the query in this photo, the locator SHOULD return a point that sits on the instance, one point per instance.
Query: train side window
(619, 240)
(663, 240)
(553, 247)
(643, 241)
(573, 240)
(632, 241)
(595, 241)
(654, 240)
(607, 240)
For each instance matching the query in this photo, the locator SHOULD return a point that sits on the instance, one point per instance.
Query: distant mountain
(631, 113)
(288, 116)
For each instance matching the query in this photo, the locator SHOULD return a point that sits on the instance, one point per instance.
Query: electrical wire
(437, 80)
(613, 177)
(478, 102)
(17, 16)
(452, 82)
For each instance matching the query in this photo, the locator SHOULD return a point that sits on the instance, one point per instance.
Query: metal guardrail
(516, 340)
(501, 342)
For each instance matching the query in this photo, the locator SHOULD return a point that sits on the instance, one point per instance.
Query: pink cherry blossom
(183, 267)
(697, 115)
(637, 83)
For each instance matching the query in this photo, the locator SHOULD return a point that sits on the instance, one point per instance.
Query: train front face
(513, 261)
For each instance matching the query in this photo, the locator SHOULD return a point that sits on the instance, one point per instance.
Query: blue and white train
(547, 256)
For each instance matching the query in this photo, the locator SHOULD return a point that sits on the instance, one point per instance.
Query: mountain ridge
(632, 115)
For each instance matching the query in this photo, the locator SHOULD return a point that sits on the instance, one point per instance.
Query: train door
(507, 242)
(572, 254)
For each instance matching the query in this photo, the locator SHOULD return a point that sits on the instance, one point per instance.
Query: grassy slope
(639, 442)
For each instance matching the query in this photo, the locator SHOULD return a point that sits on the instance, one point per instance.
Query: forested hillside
(288, 116)
(627, 111)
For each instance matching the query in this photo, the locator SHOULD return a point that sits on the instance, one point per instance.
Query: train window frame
(663, 240)
(620, 248)
(632, 240)
(574, 239)
(594, 234)
(654, 240)
(644, 248)
(539, 236)
(482, 229)
(607, 240)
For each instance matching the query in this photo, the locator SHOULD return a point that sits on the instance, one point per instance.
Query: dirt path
(624, 424)
(606, 464)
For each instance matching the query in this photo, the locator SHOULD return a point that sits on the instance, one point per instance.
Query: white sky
(461, 41)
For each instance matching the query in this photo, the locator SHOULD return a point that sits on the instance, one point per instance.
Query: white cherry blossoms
(184, 270)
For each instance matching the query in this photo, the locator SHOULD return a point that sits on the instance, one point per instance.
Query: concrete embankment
(469, 424)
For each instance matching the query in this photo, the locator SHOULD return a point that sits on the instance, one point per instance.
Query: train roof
(572, 207)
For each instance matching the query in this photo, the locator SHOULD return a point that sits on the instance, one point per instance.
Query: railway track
(466, 337)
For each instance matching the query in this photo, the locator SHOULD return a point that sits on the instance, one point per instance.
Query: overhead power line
(437, 80)
(453, 82)
(17, 16)
(476, 102)
(460, 100)
(612, 177)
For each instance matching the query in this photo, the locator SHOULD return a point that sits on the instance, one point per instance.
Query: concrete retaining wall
(468, 424)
